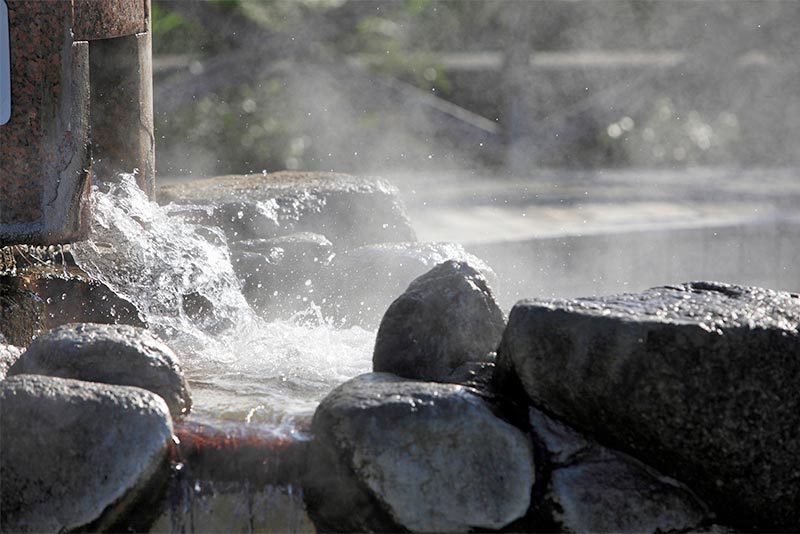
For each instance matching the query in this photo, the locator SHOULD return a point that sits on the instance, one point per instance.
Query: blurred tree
(358, 85)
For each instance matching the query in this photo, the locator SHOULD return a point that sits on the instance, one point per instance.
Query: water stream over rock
(243, 369)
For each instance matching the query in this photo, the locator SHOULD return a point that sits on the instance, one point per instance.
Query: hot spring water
(242, 369)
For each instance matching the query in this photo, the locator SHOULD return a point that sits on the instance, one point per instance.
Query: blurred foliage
(670, 134)
(172, 34)
(282, 124)
(245, 128)
(165, 22)
(275, 15)
(232, 121)
(323, 120)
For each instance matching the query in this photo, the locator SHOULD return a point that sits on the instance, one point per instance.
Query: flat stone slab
(393, 454)
(698, 380)
(350, 211)
(111, 354)
(77, 453)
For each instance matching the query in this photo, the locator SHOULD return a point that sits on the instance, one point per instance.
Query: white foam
(240, 366)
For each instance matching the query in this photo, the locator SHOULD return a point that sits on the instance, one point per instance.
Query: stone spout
(78, 108)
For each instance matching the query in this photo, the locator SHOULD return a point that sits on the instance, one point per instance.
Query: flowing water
(242, 369)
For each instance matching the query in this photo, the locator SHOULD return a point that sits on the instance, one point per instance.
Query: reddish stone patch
(45, 163)
(238, 455)
(39, 33)
(105, 19)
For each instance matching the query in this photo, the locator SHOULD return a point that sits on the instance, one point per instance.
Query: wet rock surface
(594, 489)
(71, 296)
(111, 354)
(348, 210)
(77, 453)
(393, 454)
(42, 296)
(477, 375)
(361, 283)
(619, 496)
(21, 311)
(8, 355)
(445, 319)
(279, 275)
(697, 380)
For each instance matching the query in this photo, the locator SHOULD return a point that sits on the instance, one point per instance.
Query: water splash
(159, 262)
(179, 276)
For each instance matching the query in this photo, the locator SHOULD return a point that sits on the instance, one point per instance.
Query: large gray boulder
(445, 319)
(595, 489)
(361, 283)
(698, 380)
(392, 454)
(77, 453)
(8, 355)
(111, 354)
(350, 211)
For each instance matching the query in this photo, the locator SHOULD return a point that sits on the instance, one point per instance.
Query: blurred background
(495, 85)
(513, 125)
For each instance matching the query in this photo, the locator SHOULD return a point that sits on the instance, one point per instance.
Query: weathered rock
(620, 496)
(197, 307)
(279, 274)
(477, 375)
(8, 261)
(72, 296)
(697, 380)
(446, 318)
(595, 489)
(40, 297)
(562, 444)
(8, 355)
(77, 453)
(361, 283)
(21, 311)
(392, 454)
(350, 211)
(111, 354)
